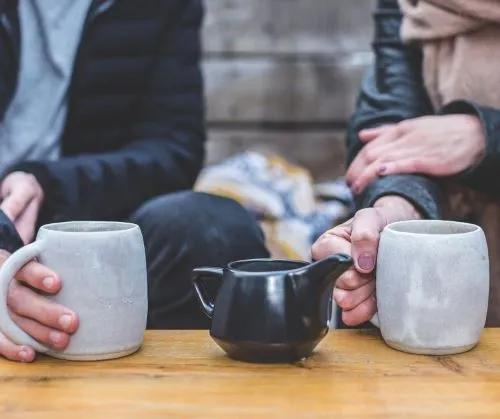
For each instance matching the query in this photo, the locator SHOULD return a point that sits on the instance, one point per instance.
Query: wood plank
(264, 89)
(322, 153)
(271, 27)
(183, 374)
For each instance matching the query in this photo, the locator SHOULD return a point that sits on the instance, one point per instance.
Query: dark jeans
(183, 231)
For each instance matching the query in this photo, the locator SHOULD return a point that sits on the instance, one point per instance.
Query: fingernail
(48, 282)
(382, 169)
(65, 321)
(366, 262)
(355, 188)
(24, 355)
(55, 337)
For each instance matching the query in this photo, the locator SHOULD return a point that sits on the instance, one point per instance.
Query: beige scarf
(460, 40)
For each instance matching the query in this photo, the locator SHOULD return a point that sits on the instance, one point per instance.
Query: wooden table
(184, 375)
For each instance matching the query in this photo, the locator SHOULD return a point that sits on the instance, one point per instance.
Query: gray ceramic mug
(102, 266)
(432, 286)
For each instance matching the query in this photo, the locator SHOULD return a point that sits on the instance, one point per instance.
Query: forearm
(393, 91)
(111, 186)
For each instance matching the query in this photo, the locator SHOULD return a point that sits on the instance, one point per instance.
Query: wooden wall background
(284, 74)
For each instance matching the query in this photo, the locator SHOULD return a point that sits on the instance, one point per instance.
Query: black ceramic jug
(270, 310)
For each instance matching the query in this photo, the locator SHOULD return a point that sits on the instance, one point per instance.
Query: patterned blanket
(291, 209)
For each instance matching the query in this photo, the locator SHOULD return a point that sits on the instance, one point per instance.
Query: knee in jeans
(194, 216)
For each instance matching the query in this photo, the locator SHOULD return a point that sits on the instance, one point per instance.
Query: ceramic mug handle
(375, 320)
(198, 276)
(7, 273)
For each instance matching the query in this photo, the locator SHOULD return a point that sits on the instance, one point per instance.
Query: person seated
(424, 139)
(101, 118)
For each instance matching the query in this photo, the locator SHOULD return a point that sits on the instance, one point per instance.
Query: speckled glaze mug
(432, 286)
(102, 266)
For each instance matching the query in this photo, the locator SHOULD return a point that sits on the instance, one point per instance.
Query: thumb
(365, 236)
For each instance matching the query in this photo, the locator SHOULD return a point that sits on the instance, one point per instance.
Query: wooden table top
(183, 374)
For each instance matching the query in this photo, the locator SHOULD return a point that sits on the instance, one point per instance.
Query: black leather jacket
(393, 90)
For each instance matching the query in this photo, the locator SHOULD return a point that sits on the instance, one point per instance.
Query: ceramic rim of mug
(95, 227)
(431, 228)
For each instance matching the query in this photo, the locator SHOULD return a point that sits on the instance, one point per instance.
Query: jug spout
(327, 271)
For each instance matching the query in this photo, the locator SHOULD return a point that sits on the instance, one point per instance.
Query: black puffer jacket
(393, 90)
(135, 124)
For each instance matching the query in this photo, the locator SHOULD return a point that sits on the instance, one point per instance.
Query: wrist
(405, 208)
(472, 128)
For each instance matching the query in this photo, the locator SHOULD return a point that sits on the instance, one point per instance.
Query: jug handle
(198, 276)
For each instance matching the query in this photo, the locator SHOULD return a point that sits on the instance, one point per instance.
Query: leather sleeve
(392, 91)
(482, 175)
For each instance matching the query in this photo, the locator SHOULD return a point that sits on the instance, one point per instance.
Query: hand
(47, 322)
(22, 198)
(354, 291)
(432, 145)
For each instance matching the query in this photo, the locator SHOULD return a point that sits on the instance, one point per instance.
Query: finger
(349, 300)
(370, 134)
(332, 242)
(382, 156)
(15, 352)
(352, 279)
(40, 277)
(365, 235)
(16, 202)
(362, 313)
(43, 334)
(26, 222)
(26, 303)
(406, 166)
(370, 153)
(367, 176)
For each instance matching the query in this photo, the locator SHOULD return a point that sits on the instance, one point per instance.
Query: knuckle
(362, 213)
(403, 126)
(321, 248)
(34, 184)
(417, 164)
(349, 280)
(346, 302)
(341, 297)
(316, 249)
(16, 297)
(31, 178)
(16, 203)
(364, 234)
(370, 155)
